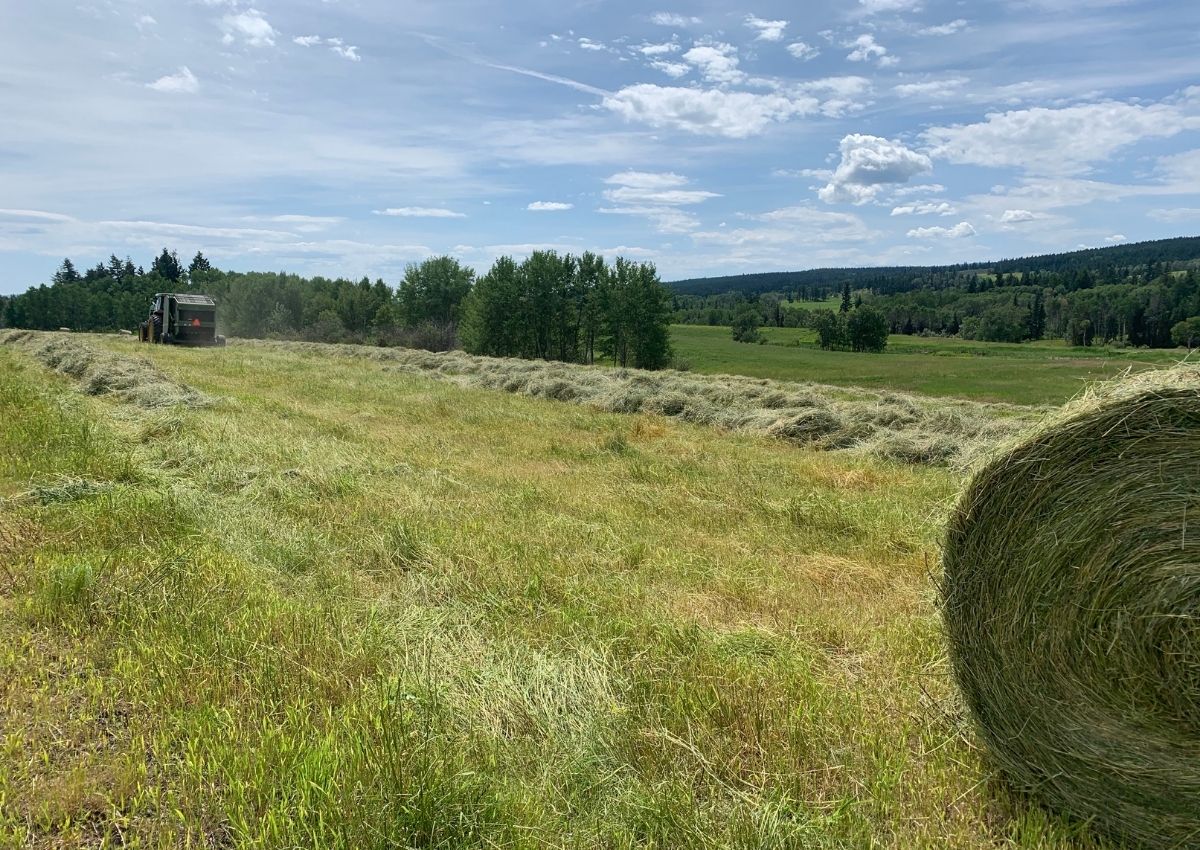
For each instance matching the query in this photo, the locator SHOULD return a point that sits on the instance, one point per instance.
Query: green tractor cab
(178, 318)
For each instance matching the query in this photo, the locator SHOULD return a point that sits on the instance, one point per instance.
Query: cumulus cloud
(925, 208)
(868, 164)
(588, 44)
(145, 21)
(716, 61)
(250, 27)
(657, 196)
(865, 48)
(1116, 237)
(735, 115)
(959, 231)
(1067, 140)
(659, 49)
(802, 51)
(1016, 216)
(671, 19)
(184, 82)
(420, 212)
(549, 206)
(767, 30)
(674, 70)
(944, 29)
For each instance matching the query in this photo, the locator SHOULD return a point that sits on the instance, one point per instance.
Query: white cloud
(1016, 216)
(917, 189)
(767, 30)
(250, 26)
(716, 61)
(735, 115)
(670, 19)
(1174, 214)
(838, 95)
(932, 88)
(588, 44)
(803, 51)
(420, 212)
(1067, 140)
(944, 29)
(959, 231)
(301, 223)
(925, 208)
(657, 196)
(868, 164)
(659, 49)
(872, 7)
(346, 51)
(184, 82)
(674, 70)
(1116, 237)
(866, 48)
(145, 21)
(549, 206)
(37, 215)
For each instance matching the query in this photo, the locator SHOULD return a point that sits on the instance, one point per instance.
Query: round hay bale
(1071, 599)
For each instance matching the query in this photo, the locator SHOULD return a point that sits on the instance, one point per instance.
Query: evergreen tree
(166, 265)
(846, 297)
(199, 264)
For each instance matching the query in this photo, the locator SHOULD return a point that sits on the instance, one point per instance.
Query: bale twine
(1071, 598)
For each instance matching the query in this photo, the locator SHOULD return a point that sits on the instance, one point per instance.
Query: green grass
(350, 607)
(1032, 373)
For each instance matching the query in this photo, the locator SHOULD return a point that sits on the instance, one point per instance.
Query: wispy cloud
(183, 82)
(420, 212)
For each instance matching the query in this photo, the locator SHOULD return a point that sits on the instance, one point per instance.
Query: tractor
(178, 318)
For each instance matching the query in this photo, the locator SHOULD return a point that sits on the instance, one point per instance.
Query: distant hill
(815, 282)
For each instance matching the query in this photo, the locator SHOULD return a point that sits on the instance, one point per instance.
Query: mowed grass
(1046, 372)
(344, 607)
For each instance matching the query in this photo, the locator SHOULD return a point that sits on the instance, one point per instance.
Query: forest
(549, 306)
(1084, 298)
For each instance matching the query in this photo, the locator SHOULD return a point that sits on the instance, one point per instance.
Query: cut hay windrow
(131, 379)
(889, 425)
(1071, 599)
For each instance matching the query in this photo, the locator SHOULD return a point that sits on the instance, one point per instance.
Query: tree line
(1155, 305)
(549, 306)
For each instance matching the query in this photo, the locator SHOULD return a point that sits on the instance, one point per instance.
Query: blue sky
(350, 137)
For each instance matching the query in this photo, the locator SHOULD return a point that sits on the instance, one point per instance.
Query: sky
(353, 137)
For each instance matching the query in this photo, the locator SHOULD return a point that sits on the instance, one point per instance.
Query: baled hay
(131, 379)
(1071, 599)
(884, 424)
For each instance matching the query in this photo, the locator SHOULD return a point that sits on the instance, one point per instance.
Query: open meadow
(1042, 372)
(288, 596)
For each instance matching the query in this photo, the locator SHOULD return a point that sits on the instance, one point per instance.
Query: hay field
(1044, 372)
(344, 604)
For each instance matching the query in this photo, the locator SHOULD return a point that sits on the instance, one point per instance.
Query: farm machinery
(178, 318)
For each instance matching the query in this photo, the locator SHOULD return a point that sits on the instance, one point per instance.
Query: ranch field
(1044, 372)
(323, 602)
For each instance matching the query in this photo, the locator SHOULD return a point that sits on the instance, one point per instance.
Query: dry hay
(131, 379)
(888, 425)
(1071, 600)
